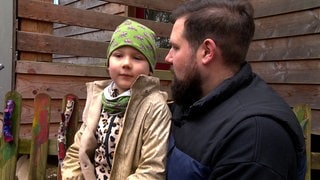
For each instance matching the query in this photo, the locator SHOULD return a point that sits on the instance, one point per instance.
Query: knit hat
(136, 35)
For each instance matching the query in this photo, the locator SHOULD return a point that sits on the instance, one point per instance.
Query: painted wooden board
(40, 134)
(303, 113)
(68, 127)
(9, 150)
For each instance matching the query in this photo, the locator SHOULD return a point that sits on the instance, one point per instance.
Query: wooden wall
(85, 33)
(286, 50)
(54, 64)
(69, 49)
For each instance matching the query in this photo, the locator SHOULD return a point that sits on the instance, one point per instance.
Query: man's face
(186, 86)
(180, 52)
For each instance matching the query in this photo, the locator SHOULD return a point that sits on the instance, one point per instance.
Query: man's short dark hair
(228, 22)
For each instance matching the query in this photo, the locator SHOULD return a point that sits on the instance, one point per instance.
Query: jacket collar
(143, 85)
(226, 89)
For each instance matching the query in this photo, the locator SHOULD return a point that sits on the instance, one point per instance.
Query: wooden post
(9, 150)
(303, 113)
(40, 135)
(40, 27)
(68, 127)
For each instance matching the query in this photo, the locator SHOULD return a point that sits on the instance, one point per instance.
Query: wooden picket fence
(39, 146)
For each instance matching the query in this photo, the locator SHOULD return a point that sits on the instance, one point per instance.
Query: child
(126, 121)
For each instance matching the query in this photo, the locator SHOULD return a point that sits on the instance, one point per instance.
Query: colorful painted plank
(9, 147)
(303, 113)
(40, 135)
(68, 127)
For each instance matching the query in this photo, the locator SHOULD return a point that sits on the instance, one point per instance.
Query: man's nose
(168, 58)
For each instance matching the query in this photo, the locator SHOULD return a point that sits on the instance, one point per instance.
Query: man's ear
(208, 51)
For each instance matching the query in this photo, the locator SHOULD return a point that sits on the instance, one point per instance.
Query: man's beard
(186, 92)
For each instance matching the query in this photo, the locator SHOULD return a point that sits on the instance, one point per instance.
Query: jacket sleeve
(155, 144)
(70, 167)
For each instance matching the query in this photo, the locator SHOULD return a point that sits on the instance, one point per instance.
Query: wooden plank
(303, 113)
(27, 115)
(296, 72)
(82, 4)
(163, 75)
(298, 48)
(262, 7)
(57, 86)
(25, 131)
(65, 69)
(24, 147)
(84, 33)
(35, 42)
(299, 94)
(40, 135)
(77, 60)
(99, 6)
(84, 18)
(163, 5)
(60, 45)
(27, 108)
(300, 23)
(73, 31)
(31, 25)
(9, 150)
(67, 2)
(273, 49)
(64, 59)
(269, 8)
(315, 160)
(315, 124)
(273, 72)
(25, 144)
(35, 26)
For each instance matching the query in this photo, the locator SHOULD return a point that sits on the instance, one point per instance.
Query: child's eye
(118, 55)
(138, 58)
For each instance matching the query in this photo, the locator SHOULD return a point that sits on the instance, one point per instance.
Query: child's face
(125, 65)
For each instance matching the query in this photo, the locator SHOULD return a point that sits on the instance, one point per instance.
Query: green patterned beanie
(136, 35)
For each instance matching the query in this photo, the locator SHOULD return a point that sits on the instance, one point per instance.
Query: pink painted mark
(42, 128)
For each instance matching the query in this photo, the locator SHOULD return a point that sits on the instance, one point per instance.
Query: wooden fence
(285, 50)
(39, 146)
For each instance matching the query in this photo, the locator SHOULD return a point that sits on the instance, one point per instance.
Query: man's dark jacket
(241, 130)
